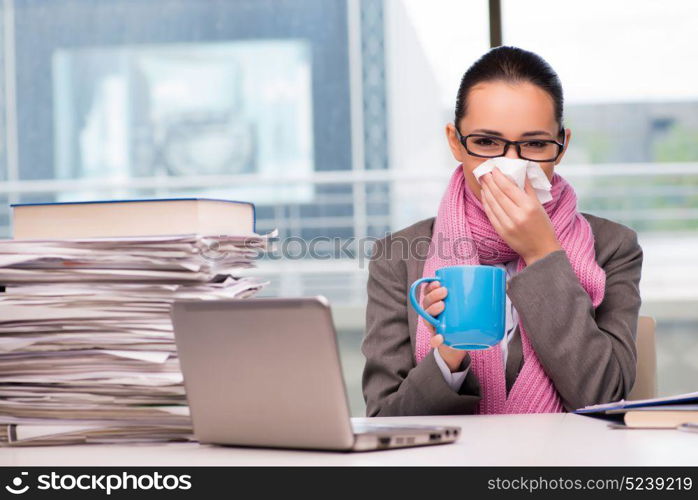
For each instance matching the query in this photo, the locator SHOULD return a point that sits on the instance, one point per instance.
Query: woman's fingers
(436, 341)
(432, 302)
(435, 308)
(436, 294)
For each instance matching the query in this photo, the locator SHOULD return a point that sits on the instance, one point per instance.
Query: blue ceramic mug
(474, 308)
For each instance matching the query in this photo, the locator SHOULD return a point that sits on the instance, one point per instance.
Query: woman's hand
(433, 303)
(518, 216)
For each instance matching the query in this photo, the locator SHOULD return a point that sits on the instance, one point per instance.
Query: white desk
(546, 439)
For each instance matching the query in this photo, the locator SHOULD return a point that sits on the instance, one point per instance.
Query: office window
(632, 105)
(330, 115)
(282, 103)
(186, 109)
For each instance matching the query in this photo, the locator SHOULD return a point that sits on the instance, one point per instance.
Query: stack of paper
(87, 351)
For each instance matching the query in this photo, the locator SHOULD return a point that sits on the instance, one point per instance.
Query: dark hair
(512, 65)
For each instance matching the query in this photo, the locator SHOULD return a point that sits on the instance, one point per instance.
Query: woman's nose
(511, 152)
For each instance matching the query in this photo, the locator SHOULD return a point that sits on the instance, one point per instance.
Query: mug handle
(417, 306)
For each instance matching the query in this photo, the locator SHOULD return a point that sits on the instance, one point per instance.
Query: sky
(603, 50)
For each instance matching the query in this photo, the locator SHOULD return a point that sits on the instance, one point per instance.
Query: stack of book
(87, 351)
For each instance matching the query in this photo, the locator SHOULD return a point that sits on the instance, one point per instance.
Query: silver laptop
(266, 372)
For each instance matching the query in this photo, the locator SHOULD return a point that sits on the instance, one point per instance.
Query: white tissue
(517, 170)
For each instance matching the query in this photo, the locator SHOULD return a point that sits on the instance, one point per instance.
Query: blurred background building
(329, 115)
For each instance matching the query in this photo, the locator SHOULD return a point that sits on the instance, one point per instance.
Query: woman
(572, 278)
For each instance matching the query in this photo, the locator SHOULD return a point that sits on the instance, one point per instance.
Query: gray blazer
(589, 354)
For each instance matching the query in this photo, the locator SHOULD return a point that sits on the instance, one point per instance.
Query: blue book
(688, 398)
(134, 217)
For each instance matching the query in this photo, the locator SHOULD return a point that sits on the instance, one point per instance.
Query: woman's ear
(454, 144)
(568, 136)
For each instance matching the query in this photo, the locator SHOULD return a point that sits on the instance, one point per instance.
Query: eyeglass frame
(507, 143)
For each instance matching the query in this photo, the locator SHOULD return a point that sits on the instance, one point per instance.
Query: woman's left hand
(518, 216)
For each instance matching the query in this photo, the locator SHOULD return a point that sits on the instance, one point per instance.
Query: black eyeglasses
(488, 146)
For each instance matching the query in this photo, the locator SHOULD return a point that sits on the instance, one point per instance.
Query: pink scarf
(462, 218)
